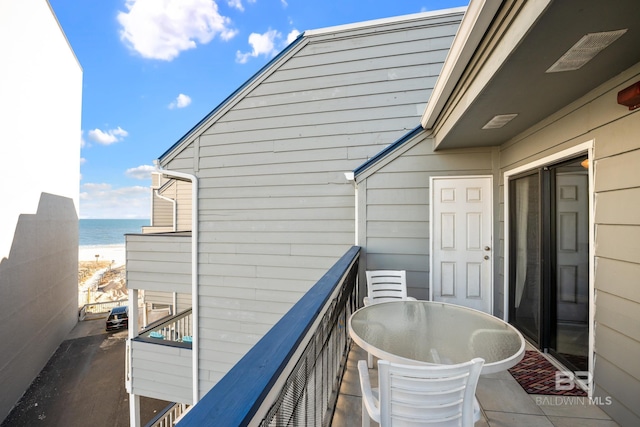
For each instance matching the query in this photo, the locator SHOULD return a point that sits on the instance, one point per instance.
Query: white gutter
(194, 274)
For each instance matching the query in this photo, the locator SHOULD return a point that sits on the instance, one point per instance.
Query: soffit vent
(499, 121)
(585, 50)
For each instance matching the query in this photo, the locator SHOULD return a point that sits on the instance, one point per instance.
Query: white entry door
(462, 241)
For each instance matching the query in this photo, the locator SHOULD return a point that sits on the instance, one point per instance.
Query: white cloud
(292, 35)
(101, 200)
(180, 102)
(141, 172)
(161, 29)
(108, 137)
(261, 44)
(238, 4)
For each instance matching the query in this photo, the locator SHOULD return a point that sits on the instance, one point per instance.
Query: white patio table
(426, 332)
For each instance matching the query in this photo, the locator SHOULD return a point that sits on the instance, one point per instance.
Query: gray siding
(275, 208)
(159, 262)
(163, 210)
(181, 192)
(39, 294)
(394, 207)
(162, 213)
(161, 372)
(166, 298)
(614, 130)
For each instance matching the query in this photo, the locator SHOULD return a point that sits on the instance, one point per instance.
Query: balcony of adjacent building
(159, 351)
(159, 272)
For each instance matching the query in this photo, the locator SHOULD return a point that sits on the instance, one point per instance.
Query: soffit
(521, 85)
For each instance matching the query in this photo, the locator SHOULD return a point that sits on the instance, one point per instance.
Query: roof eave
(263, 72)
(473, 27)
(386, 152)
(383, 21)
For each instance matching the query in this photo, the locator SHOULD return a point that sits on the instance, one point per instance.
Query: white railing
(99, 308)
(178, 328)
(168, 416)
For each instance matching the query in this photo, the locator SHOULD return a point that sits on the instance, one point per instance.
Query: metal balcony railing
(292, 376)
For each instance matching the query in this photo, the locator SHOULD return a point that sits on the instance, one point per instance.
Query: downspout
(194, 274)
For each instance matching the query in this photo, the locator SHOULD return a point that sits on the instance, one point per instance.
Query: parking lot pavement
(82, 384)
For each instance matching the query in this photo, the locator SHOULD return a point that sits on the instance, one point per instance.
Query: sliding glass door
(549, 259)
(569, 339)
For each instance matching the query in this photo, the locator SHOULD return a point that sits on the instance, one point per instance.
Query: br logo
(566, 380)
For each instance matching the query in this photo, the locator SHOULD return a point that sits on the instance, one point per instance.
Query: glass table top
(416, 332)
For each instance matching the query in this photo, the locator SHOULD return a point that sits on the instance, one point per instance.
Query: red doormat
(537, 375)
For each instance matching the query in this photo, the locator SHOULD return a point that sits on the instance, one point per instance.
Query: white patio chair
(384, 286)
(437, 395)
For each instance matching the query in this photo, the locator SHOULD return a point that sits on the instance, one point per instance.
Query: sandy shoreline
(115, 253)
(101, 278)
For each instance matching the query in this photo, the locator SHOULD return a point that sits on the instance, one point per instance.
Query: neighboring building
(273, 208)
(516, 192)
(41, 89)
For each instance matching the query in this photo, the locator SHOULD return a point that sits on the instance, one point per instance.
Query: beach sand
(115, 253)
(101, 274)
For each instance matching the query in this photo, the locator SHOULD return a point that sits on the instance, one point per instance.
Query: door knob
(487, 248)
(486, 257)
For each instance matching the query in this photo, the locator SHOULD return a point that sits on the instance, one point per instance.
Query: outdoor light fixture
(584, 50)
(630, 96)
(499, 121)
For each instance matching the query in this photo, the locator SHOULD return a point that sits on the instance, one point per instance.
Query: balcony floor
(503, 403)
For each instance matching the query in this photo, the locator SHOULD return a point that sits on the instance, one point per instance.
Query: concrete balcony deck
(504, 403)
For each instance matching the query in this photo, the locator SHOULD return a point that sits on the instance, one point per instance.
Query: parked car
(118, 318)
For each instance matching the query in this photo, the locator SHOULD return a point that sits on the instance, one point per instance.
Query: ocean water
(108, 232)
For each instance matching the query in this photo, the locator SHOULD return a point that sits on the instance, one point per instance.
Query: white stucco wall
(40, 122)
(40, 112)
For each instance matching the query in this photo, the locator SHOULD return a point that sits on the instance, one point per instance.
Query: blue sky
(152, 69)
